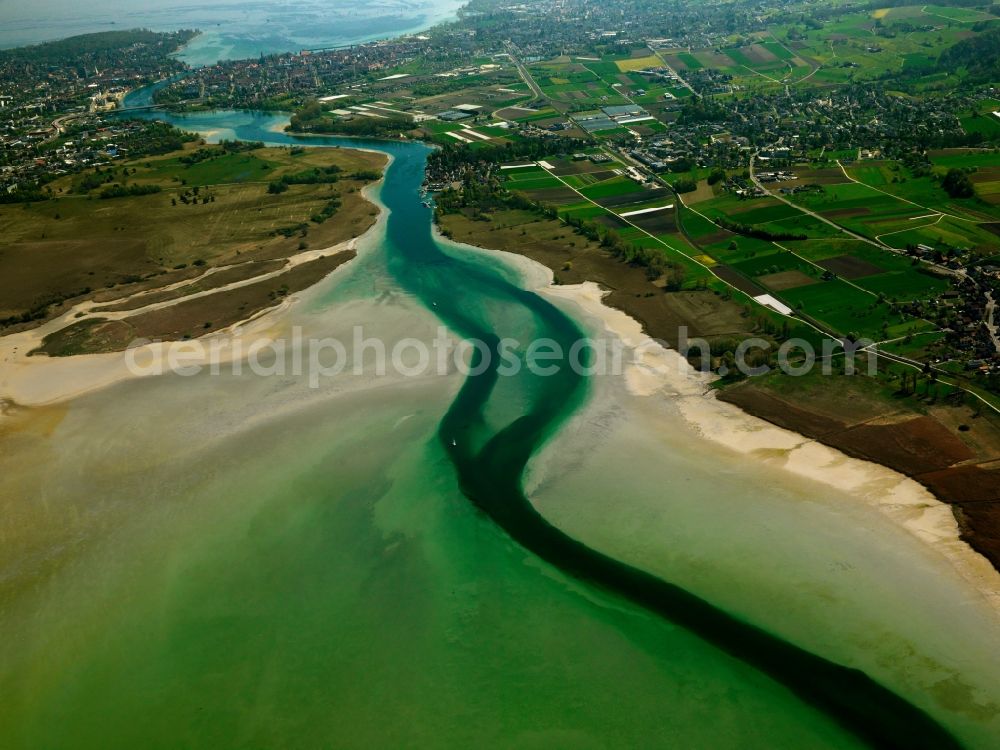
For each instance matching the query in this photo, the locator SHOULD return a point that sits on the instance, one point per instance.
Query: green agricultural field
(653, 94)
(916, 62)
(607, 67)
(925, 191)
(613, 187)
(831, 75)
(849, 38)
(917, 347)
(531, 174)
(546, 113)
(577, 180)
(905, 285)
(497, 132)
(860, 208)
(900, 279)
(650, 126)
(877, 174)
(778, 50)
(689, 60)
(631, 234)
(437, 127)
(842, 307)
(739, 249)
(774, 211)
(802, 224)
(947, 232)
(775, 263)
(736, 55)
(524, 173)
(821, 249)
(657, 203)
(698, 226)
(963, 15)
(585, 212)
(846, 193)
(987, 123)
(767, 214)
(963, 158)
(679, 251)
(242, 167)
(884, 259)
(541, 183)
(696, 174)
(570, 206)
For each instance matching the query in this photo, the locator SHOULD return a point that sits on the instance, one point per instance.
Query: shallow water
(231, 29)
(233, 561)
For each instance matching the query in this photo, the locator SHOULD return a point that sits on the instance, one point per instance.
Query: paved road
(991, 307)
(803, 209)
(957, 273)
(943, 376)
(664, 63)
(515, 56)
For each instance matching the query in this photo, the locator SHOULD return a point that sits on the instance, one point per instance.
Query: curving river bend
(715, 681)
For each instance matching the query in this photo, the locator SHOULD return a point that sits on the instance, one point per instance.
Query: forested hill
(104, 49)
(979, 55)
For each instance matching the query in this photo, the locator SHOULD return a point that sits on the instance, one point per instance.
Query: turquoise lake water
(231, 29)
(253, 563)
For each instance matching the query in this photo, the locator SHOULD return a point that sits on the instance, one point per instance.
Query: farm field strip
(686, 258)
(898, 197)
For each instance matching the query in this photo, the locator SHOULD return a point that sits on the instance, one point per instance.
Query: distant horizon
(230, 30)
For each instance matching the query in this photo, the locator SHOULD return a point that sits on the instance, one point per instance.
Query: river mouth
(324, 534)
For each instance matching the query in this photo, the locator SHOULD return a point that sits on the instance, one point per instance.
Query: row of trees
(222, 149)
(484, 197)
(749, 230)
(128, 191)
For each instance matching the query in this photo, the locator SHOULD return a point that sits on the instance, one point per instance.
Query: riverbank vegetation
(202, 215)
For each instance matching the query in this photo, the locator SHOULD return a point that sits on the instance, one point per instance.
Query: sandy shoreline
(653, 370)
(42, 381)
(659, 371)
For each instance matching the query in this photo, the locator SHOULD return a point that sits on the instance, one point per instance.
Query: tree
(957, 184)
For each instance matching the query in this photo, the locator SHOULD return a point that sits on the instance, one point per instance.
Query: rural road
(674, 72)
(943, 376)
(838, 227)
(991, 325)
(515, 57)
(957, 273)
